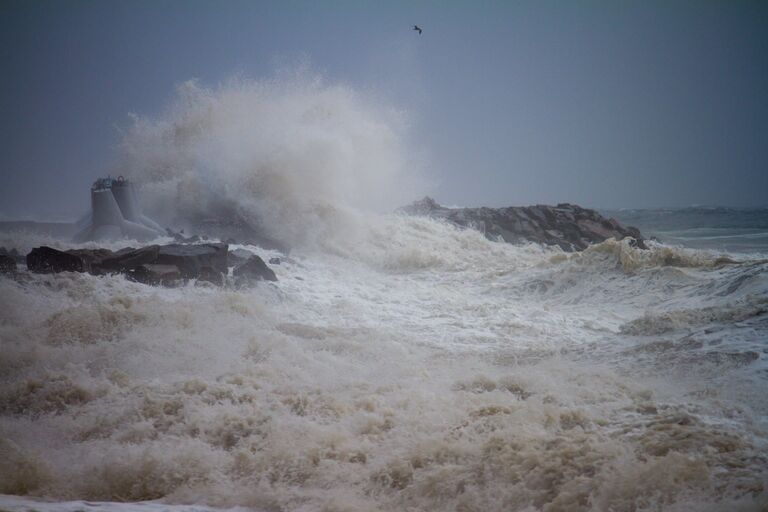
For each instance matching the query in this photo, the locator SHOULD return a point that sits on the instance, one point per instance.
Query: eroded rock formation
(568, 226)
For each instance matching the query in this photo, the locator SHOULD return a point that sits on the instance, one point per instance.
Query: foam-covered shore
(410, 365)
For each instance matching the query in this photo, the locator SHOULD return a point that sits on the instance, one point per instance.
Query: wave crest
(281, 154)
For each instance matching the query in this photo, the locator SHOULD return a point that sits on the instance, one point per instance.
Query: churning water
(398, 363)
(422, 367)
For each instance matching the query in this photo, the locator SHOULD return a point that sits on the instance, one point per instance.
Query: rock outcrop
(568, 226)
(191, 261)
(167, 265)
(46, 260)
(155, 274)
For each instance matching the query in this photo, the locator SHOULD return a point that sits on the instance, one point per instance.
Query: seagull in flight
(416, 27)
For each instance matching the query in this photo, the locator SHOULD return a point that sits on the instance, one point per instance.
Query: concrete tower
(115, 214)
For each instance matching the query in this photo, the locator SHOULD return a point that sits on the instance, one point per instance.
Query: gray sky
(606, 104)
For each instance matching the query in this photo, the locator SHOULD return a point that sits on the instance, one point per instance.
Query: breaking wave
(286, 154)
(422, 366)
(398, 363)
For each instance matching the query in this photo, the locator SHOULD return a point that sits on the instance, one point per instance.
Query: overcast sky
(606, 104)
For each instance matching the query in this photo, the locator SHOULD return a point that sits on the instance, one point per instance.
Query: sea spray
(398, 363)
(285, 154)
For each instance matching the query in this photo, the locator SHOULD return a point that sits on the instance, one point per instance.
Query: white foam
(285, 153)
(399, 363)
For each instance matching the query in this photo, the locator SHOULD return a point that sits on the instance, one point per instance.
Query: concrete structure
(115, 214)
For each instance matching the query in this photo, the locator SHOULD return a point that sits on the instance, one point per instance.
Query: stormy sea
(399, 362)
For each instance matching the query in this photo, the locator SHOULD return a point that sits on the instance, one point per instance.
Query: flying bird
(416, 27)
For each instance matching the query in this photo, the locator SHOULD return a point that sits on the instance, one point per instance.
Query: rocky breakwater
(568, 226)
(168, 265)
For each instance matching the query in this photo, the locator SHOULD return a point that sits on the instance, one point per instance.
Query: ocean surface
(401, 364)
(740, 230)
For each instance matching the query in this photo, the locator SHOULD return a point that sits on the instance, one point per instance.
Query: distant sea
(737, 230)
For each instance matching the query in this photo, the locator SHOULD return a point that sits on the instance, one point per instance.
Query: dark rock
(190, 260)
(253, 270)
(274, 261)
(154, 264)
(155, 274)
(194, 259)
(7, 264)
(91, 257)
(47, 260)
(568, 226)
(129, 259)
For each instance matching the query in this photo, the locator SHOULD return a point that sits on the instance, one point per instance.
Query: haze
(615, 105)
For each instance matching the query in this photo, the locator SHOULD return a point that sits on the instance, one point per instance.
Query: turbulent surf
(398, 363)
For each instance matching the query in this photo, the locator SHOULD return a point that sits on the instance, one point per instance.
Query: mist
(286, 153)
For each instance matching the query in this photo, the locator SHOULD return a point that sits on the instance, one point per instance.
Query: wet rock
(155, 274)
(47, 260)
(274, 261)
(128, 259)
(568, 226)
(193, 260)
(154, 264)
(91, 257)
(190, 260)
(7, 264)
(253, 270)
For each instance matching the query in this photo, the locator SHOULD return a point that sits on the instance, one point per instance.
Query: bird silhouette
(416, 27)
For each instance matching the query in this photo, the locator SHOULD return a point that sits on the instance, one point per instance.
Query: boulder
(194, 259)
(190, 260)
(568, 226)
(91, 257)
(154, 264)
(128, 259)
(253, 270)
(274, 261)
(47, 260)
(155, 274)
